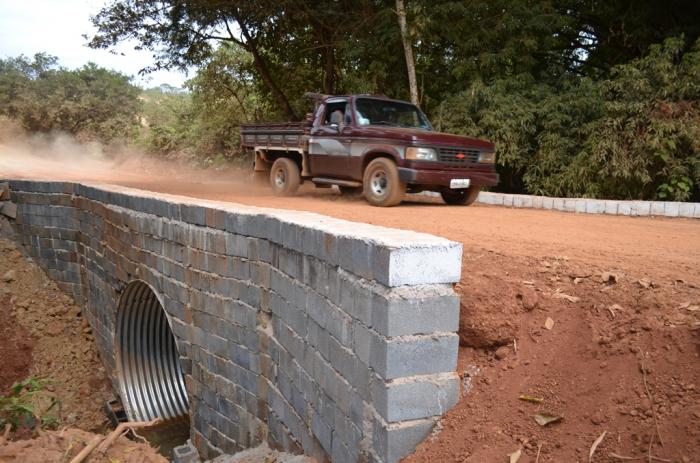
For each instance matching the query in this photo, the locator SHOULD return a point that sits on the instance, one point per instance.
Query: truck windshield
(371, 111)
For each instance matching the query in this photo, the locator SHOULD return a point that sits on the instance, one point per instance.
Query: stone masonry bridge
(317, 335)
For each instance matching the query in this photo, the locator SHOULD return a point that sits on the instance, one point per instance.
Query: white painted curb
(588, 206)
(593, 206)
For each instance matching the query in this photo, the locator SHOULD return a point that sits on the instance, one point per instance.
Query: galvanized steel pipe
(150, 377)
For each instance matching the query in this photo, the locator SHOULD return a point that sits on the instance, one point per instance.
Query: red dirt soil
(15, 349)
(622, 356)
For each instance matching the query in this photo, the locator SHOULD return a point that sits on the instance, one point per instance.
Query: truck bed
(275, 135)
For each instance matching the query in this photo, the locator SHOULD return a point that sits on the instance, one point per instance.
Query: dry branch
(123, 428)
(86, 451)
(105, 442)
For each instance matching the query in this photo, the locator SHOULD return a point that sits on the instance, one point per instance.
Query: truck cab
(374, 146)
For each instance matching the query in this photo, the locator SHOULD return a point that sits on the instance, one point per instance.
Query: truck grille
(459, 155)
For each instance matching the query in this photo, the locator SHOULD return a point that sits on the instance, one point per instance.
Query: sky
(57, 27)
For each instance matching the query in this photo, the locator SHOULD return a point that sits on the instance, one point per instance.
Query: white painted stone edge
(589, 206)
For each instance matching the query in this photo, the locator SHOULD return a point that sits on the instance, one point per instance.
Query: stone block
(595, 206)
(394, 441)
(611, 207)
(193, 214)
(186, 453)
(486, 197)
(415, 397)
(558, 204)
(414, 355)
(625, 208)
(522, 201)
(640, 208)
(547, 203)
(416, 310)
(657, 208)
(236, 245)
(413, 265)
(686, 209)
(322, 431)
(8, 209)
(671, 209)
(537, 202)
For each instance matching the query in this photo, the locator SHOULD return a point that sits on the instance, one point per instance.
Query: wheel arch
(388, 153)
(269, 156)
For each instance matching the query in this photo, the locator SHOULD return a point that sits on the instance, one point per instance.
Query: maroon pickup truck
(370, 145)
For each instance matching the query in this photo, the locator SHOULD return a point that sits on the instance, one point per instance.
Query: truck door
(329, 149)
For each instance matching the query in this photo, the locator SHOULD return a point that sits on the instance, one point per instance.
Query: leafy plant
(27, 405)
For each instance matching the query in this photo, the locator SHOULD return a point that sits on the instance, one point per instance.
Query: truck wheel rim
(280, 178)
(379, 183)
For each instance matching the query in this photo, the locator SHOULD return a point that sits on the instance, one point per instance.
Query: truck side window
(339, 109)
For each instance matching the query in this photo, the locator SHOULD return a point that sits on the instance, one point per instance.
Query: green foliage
(91, 101)
(167, 121)
(648, 142)
(203, 124)
(634, 135)
(26, 405)
(224, 96)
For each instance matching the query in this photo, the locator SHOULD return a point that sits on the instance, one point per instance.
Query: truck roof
(320, 97)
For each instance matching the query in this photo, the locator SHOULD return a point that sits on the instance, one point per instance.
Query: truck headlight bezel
(419, 153)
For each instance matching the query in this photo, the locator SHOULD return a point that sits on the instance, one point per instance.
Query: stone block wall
(319, 335)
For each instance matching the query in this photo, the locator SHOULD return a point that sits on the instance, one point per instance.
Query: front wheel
(461, 197)
(285, 177)
(381, 183)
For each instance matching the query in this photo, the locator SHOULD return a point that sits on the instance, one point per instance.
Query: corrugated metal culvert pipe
(151, 380)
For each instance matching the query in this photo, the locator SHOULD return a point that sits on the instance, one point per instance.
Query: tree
(408, 51)
(181, 33)
(91, 101)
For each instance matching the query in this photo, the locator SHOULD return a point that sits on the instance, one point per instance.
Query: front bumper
(441, 178)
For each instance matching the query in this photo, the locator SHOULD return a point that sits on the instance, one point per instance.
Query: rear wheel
(381, 183)
(284, 177)
(461, 197)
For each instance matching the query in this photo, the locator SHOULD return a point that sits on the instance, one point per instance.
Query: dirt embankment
(607, 350)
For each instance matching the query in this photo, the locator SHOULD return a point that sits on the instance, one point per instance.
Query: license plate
(460, 183)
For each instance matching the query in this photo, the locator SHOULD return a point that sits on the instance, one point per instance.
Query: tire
(350, 191)
(284, 177)
(461, 197)
(381, 184)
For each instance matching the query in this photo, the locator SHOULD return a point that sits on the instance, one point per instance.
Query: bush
(91, 102)
(633, 135)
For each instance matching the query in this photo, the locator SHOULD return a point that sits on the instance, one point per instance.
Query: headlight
(421, 154)
(487, 158)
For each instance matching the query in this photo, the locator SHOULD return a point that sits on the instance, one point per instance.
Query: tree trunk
(328, 56)
(262, 68)
(408, 51)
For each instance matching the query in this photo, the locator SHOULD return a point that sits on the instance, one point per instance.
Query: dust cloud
(59, 156)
